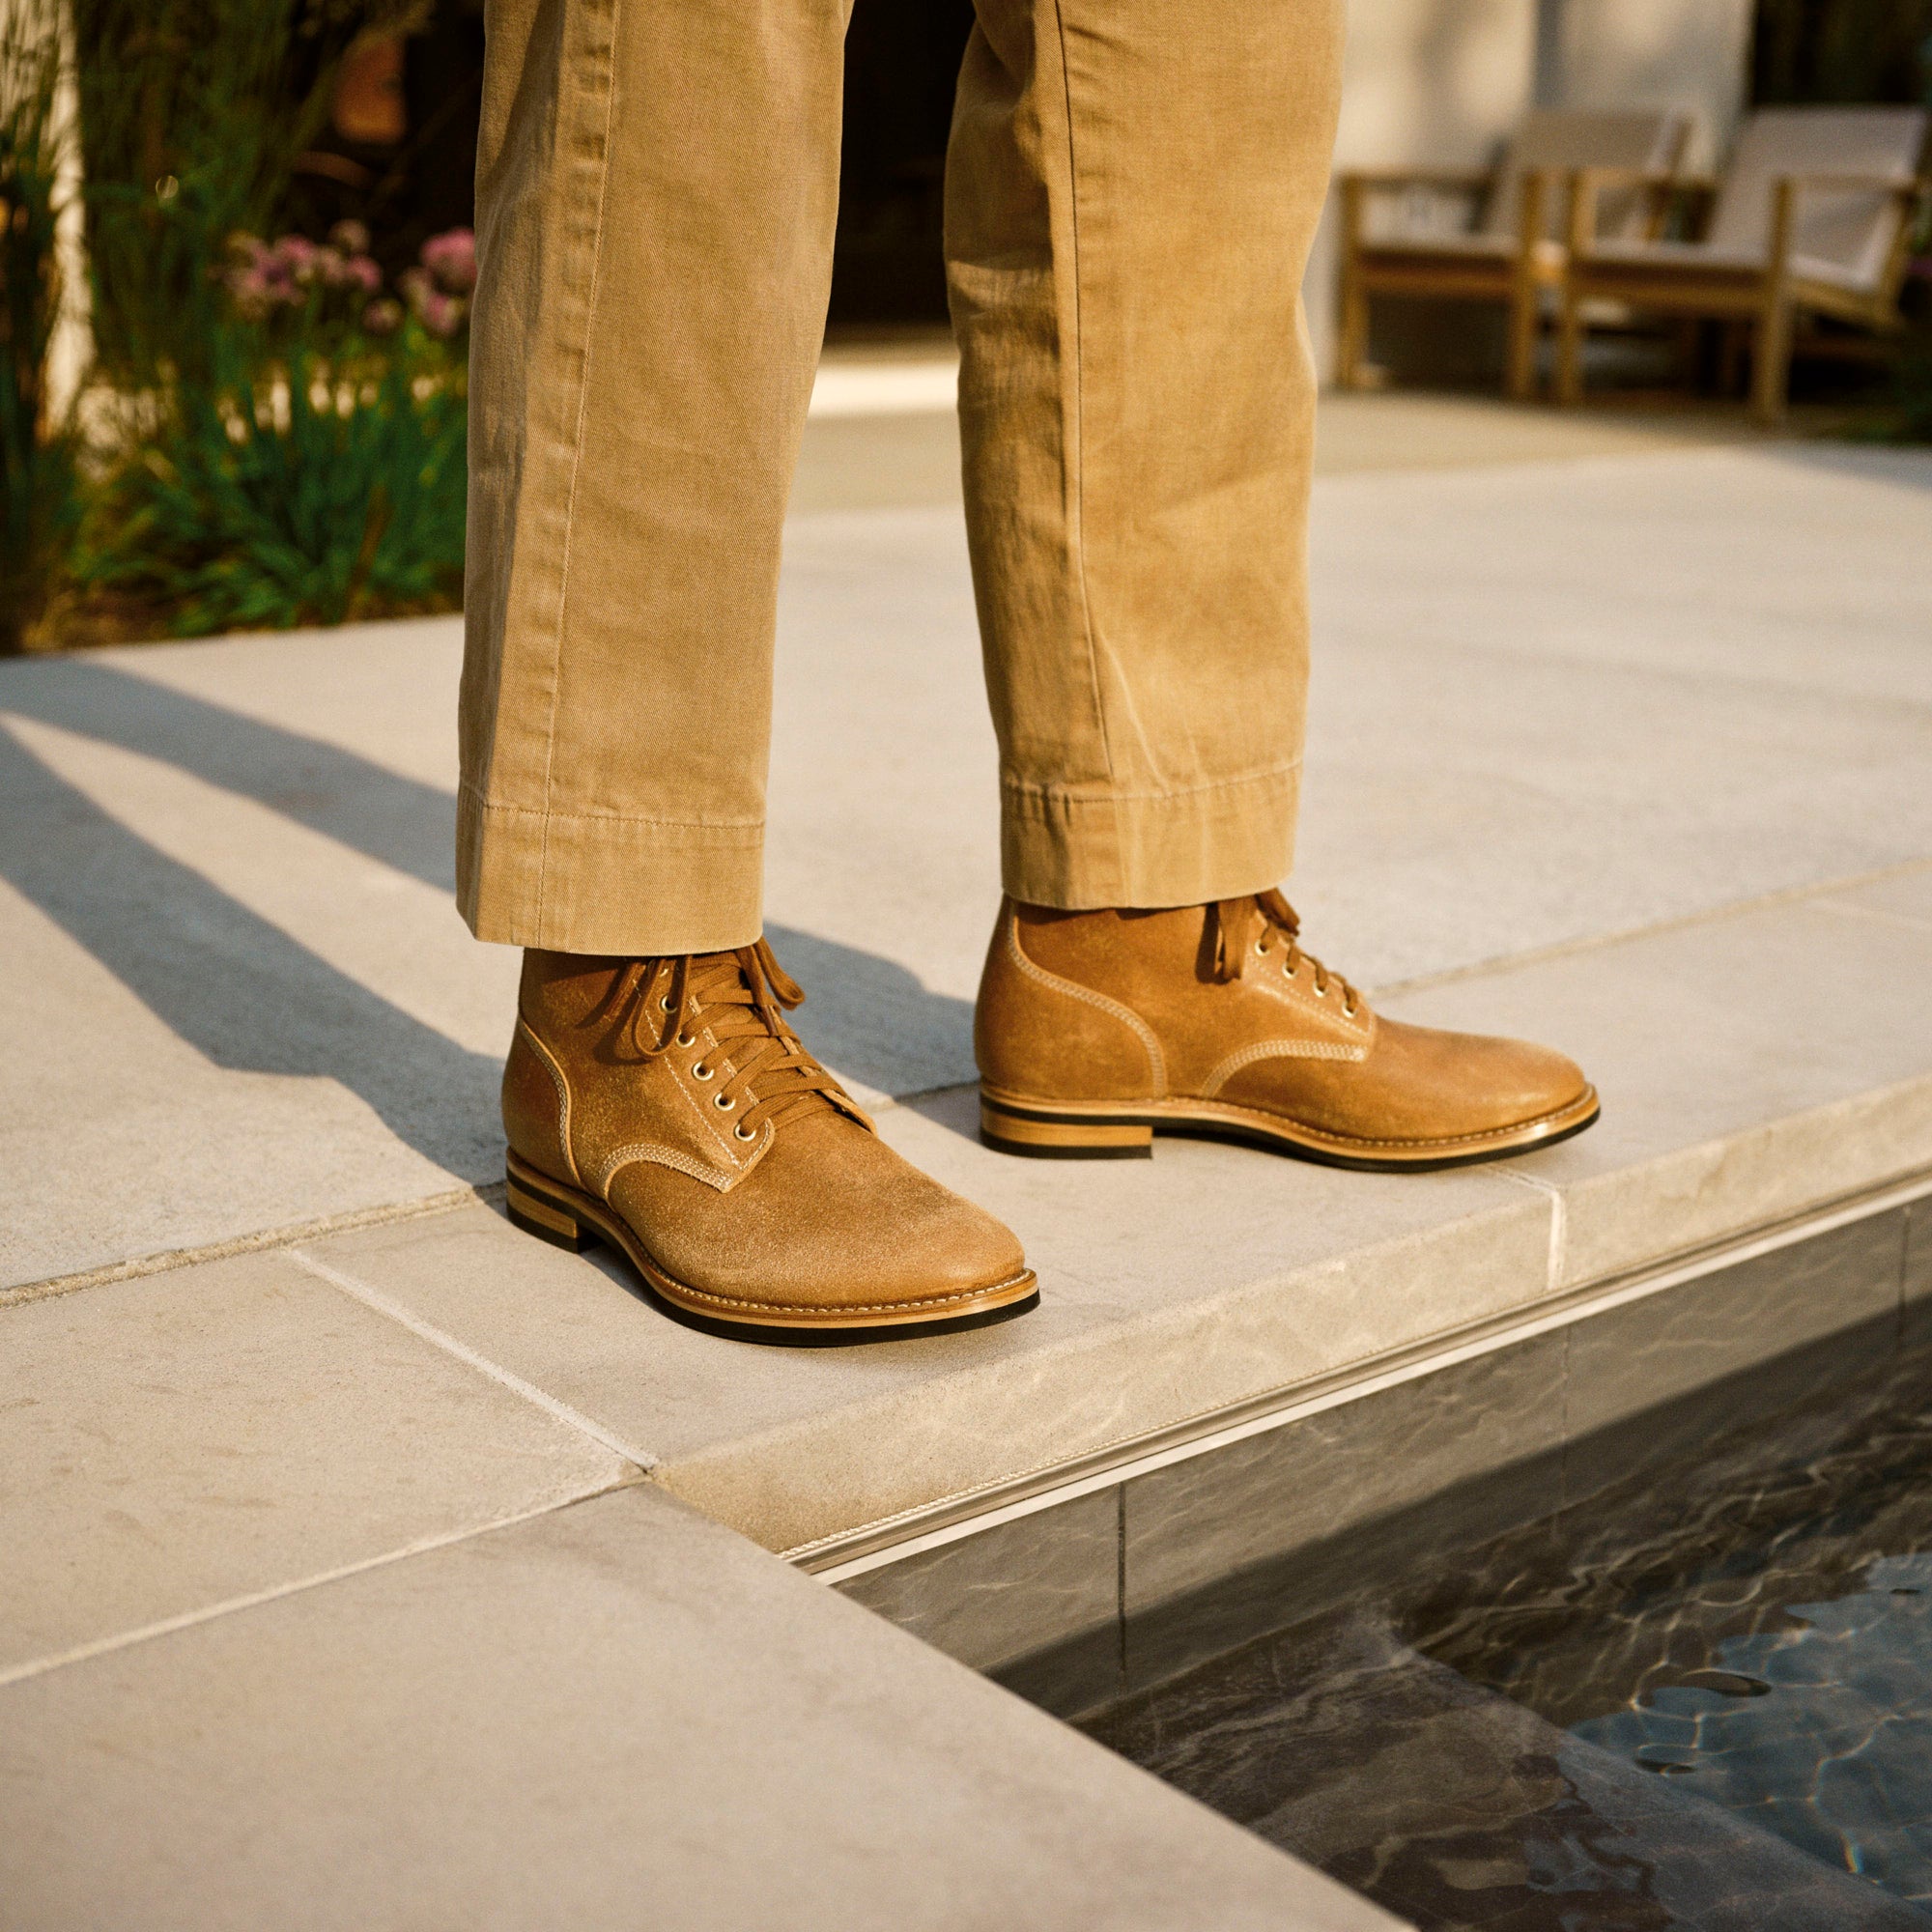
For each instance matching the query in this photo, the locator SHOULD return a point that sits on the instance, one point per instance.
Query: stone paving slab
(1735, 1098)
(1170, 1289)
(616, 1716)
(202, 1436)
(1552, 701)
(1751, 1066)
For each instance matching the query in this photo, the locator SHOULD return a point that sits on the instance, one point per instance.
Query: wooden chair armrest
(1623, 176)
(1470, 181)
(1585, 184)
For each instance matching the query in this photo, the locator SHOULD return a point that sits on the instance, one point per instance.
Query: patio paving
(1621, 735)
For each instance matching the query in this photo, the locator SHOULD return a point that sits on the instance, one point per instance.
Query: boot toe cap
(831, 1227)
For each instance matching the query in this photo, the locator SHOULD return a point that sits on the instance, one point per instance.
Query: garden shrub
(318, 472)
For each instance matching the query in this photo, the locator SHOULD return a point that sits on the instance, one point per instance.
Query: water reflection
(1704, 1700)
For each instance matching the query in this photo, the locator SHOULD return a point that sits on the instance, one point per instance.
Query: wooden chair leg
(1354, 345)
(1570, 352)
(1522, 367)
(1526, 312)
(1770, 377)
(1771, 370)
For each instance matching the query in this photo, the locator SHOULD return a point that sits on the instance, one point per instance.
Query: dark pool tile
(1070, 1679)
(1281, 1525)
(1046, 1584)
(1916, 1322)
(1456, 1807)
(1739, 1333)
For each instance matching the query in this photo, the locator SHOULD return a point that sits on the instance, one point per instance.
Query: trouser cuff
(1082, 850)
(630, 887)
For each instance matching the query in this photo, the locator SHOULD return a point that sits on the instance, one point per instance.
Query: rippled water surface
(1702, 1700)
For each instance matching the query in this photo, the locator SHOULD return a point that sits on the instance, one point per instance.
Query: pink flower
(257, 278)
(451, 258)
(350, 237)
(437, 309)
(383, 317)
(363, 274)
(299, 258)
(250, 291)
(442, 314)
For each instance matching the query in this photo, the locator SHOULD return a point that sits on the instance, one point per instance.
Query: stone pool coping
(1761, 1069)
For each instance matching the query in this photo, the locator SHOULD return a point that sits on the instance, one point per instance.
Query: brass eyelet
(685, 1040)
(664, 1004)
(700, 1071)
(1262, 948)
(722, 1102)
(741, 1132)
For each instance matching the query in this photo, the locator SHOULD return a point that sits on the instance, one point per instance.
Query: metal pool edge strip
(835, 1559)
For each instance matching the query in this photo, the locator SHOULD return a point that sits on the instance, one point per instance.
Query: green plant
(317, 471)
(38, 495)
(331, 491)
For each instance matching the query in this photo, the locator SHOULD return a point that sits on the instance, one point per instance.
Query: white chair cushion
(1848, 234)
(1558, 140)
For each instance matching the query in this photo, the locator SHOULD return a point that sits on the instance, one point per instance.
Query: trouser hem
(1079, 851)
(630, 887)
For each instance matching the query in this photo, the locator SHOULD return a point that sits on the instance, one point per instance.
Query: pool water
(1702, 1700)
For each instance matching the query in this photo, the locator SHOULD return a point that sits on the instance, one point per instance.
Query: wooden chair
(1813, 218)
(1494, 236)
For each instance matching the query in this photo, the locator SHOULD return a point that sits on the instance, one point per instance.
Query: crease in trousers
(1132, 189)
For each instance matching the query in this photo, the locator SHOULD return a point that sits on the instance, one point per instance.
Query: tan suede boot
(666, 1106)
(1097, 1030)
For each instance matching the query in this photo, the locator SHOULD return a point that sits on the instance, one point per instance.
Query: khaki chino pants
(1132, 189)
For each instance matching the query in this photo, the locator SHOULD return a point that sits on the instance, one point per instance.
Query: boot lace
(1248, 929)
(743, 998)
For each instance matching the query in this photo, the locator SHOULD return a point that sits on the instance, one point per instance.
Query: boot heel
(549, 1217)
(1046, 1136)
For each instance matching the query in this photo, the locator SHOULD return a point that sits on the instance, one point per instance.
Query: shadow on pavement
(235, 988)
(872, 1019)
(399, 821)
(248, 996)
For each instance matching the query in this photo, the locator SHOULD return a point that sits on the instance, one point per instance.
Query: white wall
(1655, 53)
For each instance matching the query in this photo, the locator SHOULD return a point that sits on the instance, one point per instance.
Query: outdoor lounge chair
(1503, 246)
(1814, 216)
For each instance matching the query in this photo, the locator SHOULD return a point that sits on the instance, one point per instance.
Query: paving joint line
(486, 1194)
(1568, 948)
(104, 1646)
(376, 1301)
